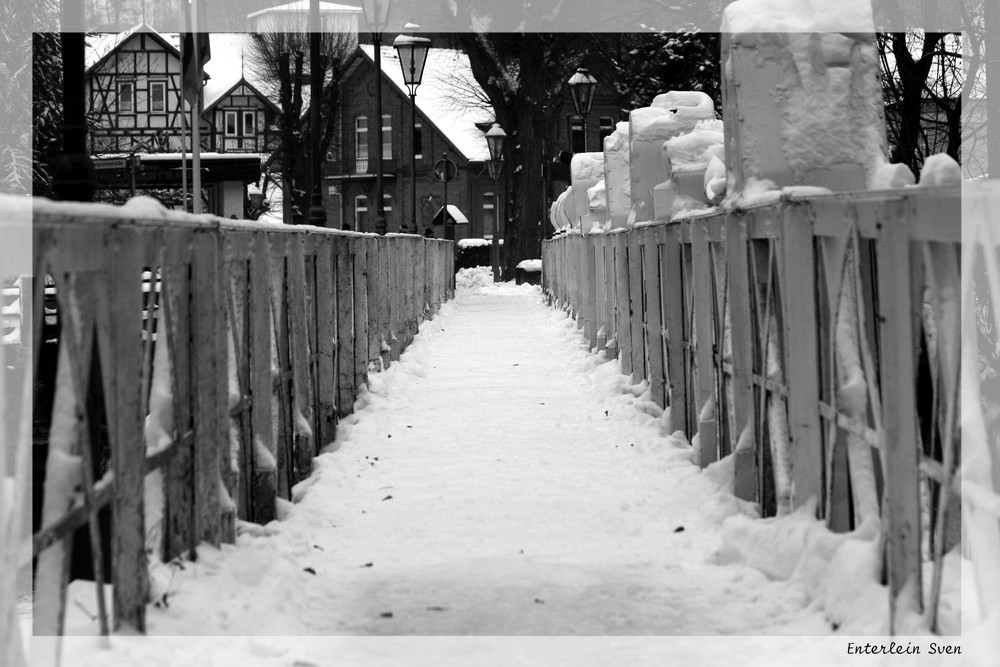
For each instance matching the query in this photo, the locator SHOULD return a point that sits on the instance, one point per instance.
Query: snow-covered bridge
(733, 408)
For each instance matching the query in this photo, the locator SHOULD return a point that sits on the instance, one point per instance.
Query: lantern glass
(582, 86)
(412, 53)
(494, 141)
(377, 13)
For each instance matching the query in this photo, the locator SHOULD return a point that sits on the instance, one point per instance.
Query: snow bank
(695, 149)
(472, 243)
(940, 170)
(530, 265)
(797, 16)
(617, 179)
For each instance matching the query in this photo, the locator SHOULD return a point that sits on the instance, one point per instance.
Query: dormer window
(126, 97)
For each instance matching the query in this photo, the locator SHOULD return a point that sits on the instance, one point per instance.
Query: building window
(489, 214)
(386, 137)
(157, 96)
(387, 204)
(607, 127)
(361, 213)
(418, 140)
(575, 134)
(249, 123)
(126, 97)
(361, 145)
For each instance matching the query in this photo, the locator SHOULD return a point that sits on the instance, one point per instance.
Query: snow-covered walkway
(497, 480)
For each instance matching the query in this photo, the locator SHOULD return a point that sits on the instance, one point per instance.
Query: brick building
(452, 116)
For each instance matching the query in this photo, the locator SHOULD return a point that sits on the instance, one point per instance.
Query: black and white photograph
(499, 332)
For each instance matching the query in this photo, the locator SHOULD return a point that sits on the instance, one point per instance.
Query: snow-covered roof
(454, 213)
(303, 6)
(101, 45)
(449, 96)
(230, 61)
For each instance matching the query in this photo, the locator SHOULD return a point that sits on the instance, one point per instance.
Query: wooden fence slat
(210, 360)
(672, 286)
(263, 445)
(590, 289)
(326, 331)
(346, 394)
(657, 371)
(235, 273)
(802, 355)
(706, 391)
(361, 343)
(125, 422)
(600, 294)
(374, 291)
(302, 400)
(396, 305)
(178, 475)
(636, 304)
(901, 507)
(623, 328)
(740, 335)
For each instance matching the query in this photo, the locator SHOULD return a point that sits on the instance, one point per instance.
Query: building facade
(139, 134)
(451, 119)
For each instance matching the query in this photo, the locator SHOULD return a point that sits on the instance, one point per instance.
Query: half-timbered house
(136, 109)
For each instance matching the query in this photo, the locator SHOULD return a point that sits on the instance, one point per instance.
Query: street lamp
(412, 57)
(377, 17)
(494, 141)
(582, 86)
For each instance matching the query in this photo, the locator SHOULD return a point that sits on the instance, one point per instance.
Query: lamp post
(412, 57)
(317, 214)
(582, 86)
(75, 177)
(377, 17)
(494, 141)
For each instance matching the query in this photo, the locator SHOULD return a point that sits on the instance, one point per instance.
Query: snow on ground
(502, 483)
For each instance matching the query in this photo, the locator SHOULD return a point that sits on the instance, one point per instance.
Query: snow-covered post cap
(801, 91)
(616, 174)
(586, 171)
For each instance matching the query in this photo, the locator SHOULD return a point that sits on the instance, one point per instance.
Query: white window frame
(361, 138)
(126, 100)
(231, 129)
(489, 205)
(252, 115)
(386, 136)
(162, 85)
(360, 206)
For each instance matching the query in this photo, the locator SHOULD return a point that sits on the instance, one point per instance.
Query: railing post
(623, 324)
(325, 312)
(801, 353)
(302, 399)
(740, 335)
(637, 303)
(703, 307)
(653, 237)
(346, 390)
(263, 444)
(130, 577)
(900, 453)
(361, 348)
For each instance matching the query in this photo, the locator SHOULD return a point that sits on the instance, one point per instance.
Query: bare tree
(279, 59)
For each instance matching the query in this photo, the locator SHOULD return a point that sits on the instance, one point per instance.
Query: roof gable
(449, 97)
(101, 46)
